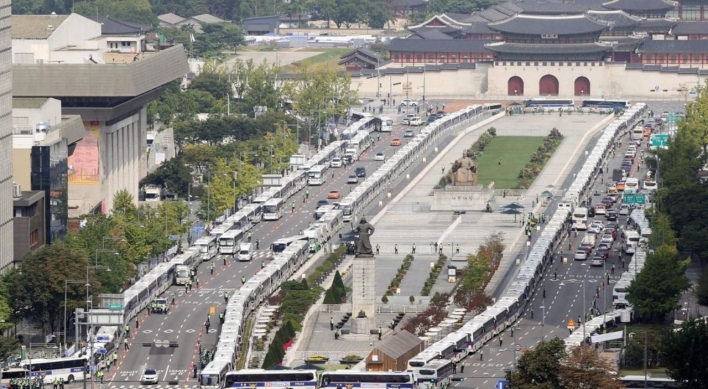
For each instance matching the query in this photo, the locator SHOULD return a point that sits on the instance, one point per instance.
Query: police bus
(257, 378)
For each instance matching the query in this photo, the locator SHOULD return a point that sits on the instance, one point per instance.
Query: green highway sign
(660, 140)
(672, 118)
(633, 198)
(115, 307)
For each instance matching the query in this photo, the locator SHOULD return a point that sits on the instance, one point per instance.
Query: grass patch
(514, 153)
(329, 56)
(658, 372)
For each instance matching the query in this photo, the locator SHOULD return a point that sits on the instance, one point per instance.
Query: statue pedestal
(363, 293)
(363, 325)
(462, 198)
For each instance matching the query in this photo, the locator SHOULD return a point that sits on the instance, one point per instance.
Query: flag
(191, 38)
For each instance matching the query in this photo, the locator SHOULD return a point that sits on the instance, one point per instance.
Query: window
(34, 237)
(518, 64)
(419, 57)
(691, 12)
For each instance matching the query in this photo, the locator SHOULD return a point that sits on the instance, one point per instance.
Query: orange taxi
(334, 194)
(395, 142)
(619, 185)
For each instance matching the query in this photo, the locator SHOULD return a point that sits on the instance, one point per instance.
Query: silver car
(149, 376)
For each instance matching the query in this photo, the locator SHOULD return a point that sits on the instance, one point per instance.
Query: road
(558, 299)
(185, 322)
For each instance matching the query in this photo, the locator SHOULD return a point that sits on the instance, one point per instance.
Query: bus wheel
(71, 379)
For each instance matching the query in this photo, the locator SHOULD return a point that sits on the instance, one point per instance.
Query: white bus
(212, 376)
(220, 229)
(273, 209)
(631, 185)
(347, 211)
(182, 274)
(281, 244)
(436, 373)
(386, 124)
(638, 133)
(630, 240)
(66, 369)
(254, 212)
(12, 373)
(317, 175)
(367, 379)
(208, 247)
(649, 185)
(257, 378)
(229, 241)
(580, 219)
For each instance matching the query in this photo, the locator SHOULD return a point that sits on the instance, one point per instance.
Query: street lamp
(88, 301)
(543, 323)
(66, 283)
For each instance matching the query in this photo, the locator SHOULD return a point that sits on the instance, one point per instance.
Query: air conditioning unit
(16, 190)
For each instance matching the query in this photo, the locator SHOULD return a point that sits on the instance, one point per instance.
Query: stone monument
(364, 281)
(463, 194)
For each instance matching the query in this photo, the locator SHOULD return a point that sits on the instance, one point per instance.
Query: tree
(417, 18)
(683, 354)
(136, 11)
(583, 367)
(377, 14)
(657, 289)
(217, 37)
(634, 352)
(539, 368)
(458, 6)
(213, 79)
(702, 288)
(256, 85)
(37, 287)
(173, 174)
(223, 190)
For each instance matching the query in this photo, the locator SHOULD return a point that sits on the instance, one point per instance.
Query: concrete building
(67, 57)
(170, 20)
(6, 184)
(261, 25)
(198, 21)
(42, 141)
(28, 221)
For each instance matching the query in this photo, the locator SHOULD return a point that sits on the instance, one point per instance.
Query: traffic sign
(672, 118)
(571, 323)
(102, 351)
(634, 198)
(660, 140)
(212, 310)
(115, 307)
(198, 229)
(501, 384)
(518, 347)
(174, 238)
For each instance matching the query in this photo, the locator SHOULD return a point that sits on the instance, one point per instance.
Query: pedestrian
(221, 317)
(137, 323)
(243, 280)
(55, 383)
(481, 354)
(100, 376)
(613, 268)
(436, 247)
(395, 249)
(115, 358)
(544, 292)
(262, 264)
(126, 346)
(443, 170)
(413, 248)
(622, 263)
(331, 323)
(206, 325)
(377, 249)
(501, 340)
(440, 249)
(380, 333)
(454, 367)
(224, 258)
(250, 234)
(211, 268)
(336, 334)
(258, 244)
(196, 281)
(189, 283)
(127, 330)
(186, 288)
(532, 312)
(462, 368)
(555, 275)
(292, 208)
(457, 249)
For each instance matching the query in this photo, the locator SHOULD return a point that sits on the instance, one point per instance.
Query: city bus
(630, 240)
(212, 376)
(66, 369)
(386, 124)
(12, 373)
(229, 241)
(366, 379)
(273, 209)
(208, 247)
(580, 219)
(436, 373)
(604, 103)
(257, 378)
(631, 185)
(542, 102)
(254, 212)
(317, 175)
(281, 244)
(221, 229)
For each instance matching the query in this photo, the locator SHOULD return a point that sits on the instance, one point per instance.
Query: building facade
(29, 218)
(6, 184)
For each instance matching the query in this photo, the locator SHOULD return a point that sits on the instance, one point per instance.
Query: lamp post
(90, 317)
(543, 323)
(66, 283)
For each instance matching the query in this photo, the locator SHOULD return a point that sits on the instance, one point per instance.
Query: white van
(245, 252)
(336, 162)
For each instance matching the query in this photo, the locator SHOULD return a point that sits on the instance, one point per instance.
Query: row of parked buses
(513, 302)
(289, 253)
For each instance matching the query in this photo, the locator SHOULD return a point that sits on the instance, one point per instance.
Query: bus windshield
(271, 208)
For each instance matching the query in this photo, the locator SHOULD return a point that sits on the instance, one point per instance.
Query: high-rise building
(6, 194)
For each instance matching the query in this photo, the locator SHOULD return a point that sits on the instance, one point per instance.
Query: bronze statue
(365, 230)
(464, 171)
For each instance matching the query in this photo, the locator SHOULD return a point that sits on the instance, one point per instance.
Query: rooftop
(104, 80)
(615, 19)
(437, 45)
(28, 103)
(207, 19)
(170, 18)
(35, 26)
(28, 198)
(399, 343)
(478, 28)
(639, 5)
(429, 33)
(408, 3)
(549, 25)
(685, 46)
(525, 48)
(537, 8)
(112, 26)
(685, 28)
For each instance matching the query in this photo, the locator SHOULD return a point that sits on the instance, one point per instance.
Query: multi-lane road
(185, 323)
(566, 292)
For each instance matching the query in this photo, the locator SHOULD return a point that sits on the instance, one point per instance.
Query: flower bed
(434, 273)
(396, 281)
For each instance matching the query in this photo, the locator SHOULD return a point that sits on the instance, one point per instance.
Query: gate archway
(548, 86)
(515, 86)
(582, 86)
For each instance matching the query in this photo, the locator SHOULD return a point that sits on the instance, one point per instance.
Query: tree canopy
(683, 354)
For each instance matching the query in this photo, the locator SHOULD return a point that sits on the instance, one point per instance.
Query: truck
(589, 240)
(317, 236)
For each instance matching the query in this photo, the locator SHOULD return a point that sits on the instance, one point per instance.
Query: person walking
(137, 323)
(501, 340)
(243, 280)
(292, 208)
(126, 346)
(457, 249)
(100, 376)
(395, 249)
(224, 258)
(226, 297)
(115, 358)
(211, 268)
(481, 354)
(221, 317)
(544, 292)
(331, 323)
(613, 269)
(413, 248)
(380, 333)
(377, 248)
(250, 234)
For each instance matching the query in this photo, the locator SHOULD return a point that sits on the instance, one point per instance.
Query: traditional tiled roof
(444, 19)
(437, 46)
(170, 18)
(35, 26)
(673, 46)
(686, 28)
(525, 48)
(429, 33)
(112, 26)
(408, 3)
(360, 57)
(460, 18)
(623, 43)
(656, 25)
(548, 25)
(615, 19)
(363, 52)
(639, 5)
(478, 28)
(494, 14)
(536, 8)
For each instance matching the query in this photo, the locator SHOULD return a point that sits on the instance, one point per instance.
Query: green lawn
(514, 153)
(326, 56)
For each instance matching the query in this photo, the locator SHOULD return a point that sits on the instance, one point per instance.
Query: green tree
(583, 368)
(172, 174)
(223, 190)
(459, 6)
(6, 313)
(702, 288)
(324, 9)
(634, 352)
(417, 18)
(683, 354)
(256, 85)
(8, 347)
(37, 287)
(347, 12)
(217, 37)
(539, 368)
(213, 79)
(136, 11)
(657, 289)
(377, 14)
